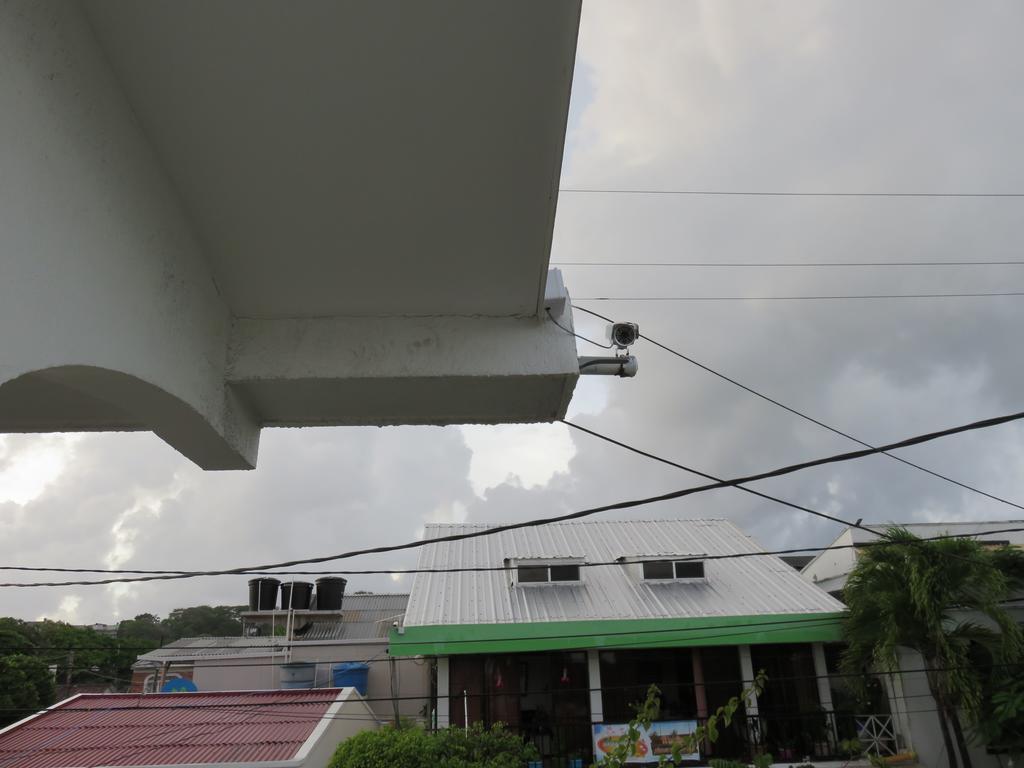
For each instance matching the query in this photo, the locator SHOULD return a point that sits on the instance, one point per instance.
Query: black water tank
(263, 594)
(330, 591)
(297, 595)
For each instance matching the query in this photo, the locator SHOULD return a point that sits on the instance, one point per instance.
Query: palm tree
(932, 597)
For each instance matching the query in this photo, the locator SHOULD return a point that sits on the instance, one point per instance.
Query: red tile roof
(167, 729)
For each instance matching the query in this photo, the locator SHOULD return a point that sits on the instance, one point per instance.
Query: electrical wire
(486, 568)
(276, 647)
(573, 333)
(866, 296)
(538, 522)
(266, 706)
(807, 417)
(785, 264)
(706, 476)
(773, 193)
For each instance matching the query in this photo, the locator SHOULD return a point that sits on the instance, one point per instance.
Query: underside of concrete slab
(216, 217)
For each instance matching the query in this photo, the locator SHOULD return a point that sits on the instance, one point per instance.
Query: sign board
(654, 742)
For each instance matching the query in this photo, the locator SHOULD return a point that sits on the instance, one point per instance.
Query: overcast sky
(684, 95)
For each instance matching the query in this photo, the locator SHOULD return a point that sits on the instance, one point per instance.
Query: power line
(265, 706)
(705, 475)
(785, 264)
(772, 193)
(537, 522)
(484, 568)
(809, 418)
(866, 296)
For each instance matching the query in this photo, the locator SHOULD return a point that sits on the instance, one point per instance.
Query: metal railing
(815, 735)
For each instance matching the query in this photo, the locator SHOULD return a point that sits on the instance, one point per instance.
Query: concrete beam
(436, 370)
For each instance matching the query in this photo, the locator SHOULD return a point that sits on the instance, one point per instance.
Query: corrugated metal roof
(212, 647)
(734, 587)
(365, 617)
(168, 729)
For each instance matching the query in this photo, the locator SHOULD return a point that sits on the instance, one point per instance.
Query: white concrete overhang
(217, 215)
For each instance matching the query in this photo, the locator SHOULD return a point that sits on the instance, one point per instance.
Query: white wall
(925, 731)
(105, 298)
(256, 673)
(832, 562)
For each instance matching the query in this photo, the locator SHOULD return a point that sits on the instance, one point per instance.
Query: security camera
(624, 335)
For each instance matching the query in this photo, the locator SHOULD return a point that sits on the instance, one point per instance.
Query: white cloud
(527, 455)
(29, 463)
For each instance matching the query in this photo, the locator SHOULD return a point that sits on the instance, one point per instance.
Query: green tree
(26, 685)
(17, 636)
(929, 596)
(204, 620)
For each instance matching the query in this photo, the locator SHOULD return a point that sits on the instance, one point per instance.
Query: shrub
(480, 747)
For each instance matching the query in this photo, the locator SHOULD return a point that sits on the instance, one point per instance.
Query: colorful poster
(653, 742)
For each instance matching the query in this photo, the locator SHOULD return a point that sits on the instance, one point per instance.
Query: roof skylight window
(670, 570)
(548, 573)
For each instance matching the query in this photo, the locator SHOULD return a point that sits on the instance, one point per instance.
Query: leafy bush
(25, 686)
(719, 762)
(480, 747)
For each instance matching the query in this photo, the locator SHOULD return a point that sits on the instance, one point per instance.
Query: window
(666, 570)
(541, 574)
(689, 569)
(565, 573)
(658, 569)
(532, 574)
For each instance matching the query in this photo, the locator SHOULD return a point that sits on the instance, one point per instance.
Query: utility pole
(67, 675)
(394, 686)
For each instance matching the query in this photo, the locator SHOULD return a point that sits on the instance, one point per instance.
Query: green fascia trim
(450, 639)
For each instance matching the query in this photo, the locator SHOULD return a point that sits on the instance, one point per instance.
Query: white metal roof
(733, 587)
(980, 529)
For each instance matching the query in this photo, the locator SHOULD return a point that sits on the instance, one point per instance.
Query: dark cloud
(704, 95)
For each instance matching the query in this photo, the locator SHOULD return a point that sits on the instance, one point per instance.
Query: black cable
(537, 522)
(806, 417)
(805, 298)
(573, 333)
(485, 568)
(706, 476)
(577, 689)
(768, 193)
(785, 264)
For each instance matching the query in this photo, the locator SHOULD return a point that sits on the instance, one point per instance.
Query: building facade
(909, 688)
(259, 661)
(574, 621)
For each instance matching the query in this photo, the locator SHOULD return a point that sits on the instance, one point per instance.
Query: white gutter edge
(40, 713)
(321, 727)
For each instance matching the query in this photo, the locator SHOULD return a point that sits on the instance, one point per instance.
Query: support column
(747, 671)
(443, 700)
(699, 691)
(821, 675)
(594, 684)
(898, 706)
(824, 689)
